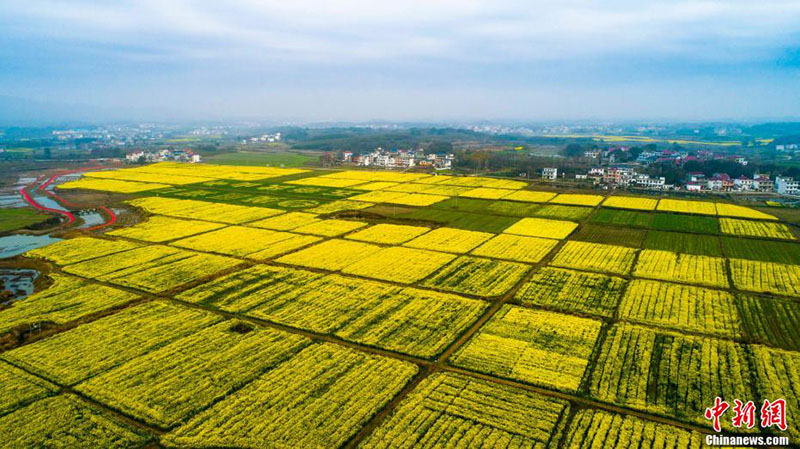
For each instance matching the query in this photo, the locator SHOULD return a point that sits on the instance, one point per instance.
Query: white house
(787, 186)
(549, 173)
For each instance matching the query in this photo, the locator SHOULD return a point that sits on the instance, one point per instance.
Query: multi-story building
(787, 186)
(550, 173)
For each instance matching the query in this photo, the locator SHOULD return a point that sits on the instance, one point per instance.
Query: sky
(430, 60)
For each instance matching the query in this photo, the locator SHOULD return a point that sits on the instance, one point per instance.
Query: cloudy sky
(406, 60)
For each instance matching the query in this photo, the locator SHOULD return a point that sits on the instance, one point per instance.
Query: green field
(283, 159)
(11, 219)
(499, 207)
(685, 223)
(621, 218)
(768, 251)
(611, 235)
(678, 242)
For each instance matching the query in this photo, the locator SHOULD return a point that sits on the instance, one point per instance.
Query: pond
(14, 245)
(16, 283)
(91, 219)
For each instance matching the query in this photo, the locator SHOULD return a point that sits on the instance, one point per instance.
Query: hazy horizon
(409, 61)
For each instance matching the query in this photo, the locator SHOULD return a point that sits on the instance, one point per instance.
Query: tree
(573, 150)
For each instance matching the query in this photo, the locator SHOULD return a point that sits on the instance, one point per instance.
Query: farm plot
(576, 199)
(563, 212)
(203, 210)
(286, 222)
(572, 291)
(685, 223)
(159, 229)
(134, 174)
(167, 386)
(111, 185)
(763, 250)
(80, 249)
(406, 320)
(778, 374)
(487, 193)
(530, 196)
(687, 207)
(516, 248)
(618, 217)
(540, 227)
(326, 182)
(93, 348)
(766, 277)
(331, 255)
(67, 421)
(668, 374)
(445, 190)
(478, 276)
(319, 398)
(595, 257)
(460, 220)
(21, 388)
(537, 347)
(630, 202)
(399, 264)
(749, 228)
(593, 428)
(450, 240)
(330, 228)
(388, 234)
(732, 210)
(386, 176)
(681, 307)
(152, 268)
(68, 299)
(375, 185)
(252, 243)
(679, 242)
(771, 321)
(339, 206)
(447, 409)
(402, 198)
(506, 208)
(688, 268)
(611, 235)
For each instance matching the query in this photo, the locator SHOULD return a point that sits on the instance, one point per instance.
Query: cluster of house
(695, 181)
(268, 138)
(181, 155)
(721, 182)
(400, 159)
(609, 156)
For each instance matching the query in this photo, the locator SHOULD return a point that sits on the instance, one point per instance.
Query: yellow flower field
(530, 196)
(20, 388)
(286, 222)
(399, 264)
(595, 428)
(766, 277)
(450, 240)
(487, 193)
(388, 234)
(688, 268)
(538, 347)
(82, 248)
(478, 276)
(134, 174)
(681, 307)
(748, 228)
(490, 414)
(732, 210)
(240, 241)
(687, 207)
(332, 255)
(204, 210)
(595, 257)
(516, 248)
(375, 185)
(338, 206)
(630, 202)
(377, 176)
(161, 229)
(330, 228)
(326, 182)
(69, 298)
(96, 347)
(576, 199)
(111, 185)
(542, 227)
(344, 386)
(572, 291)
